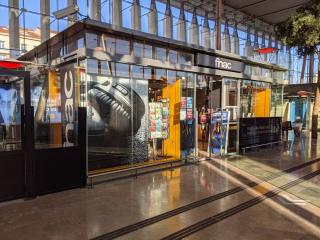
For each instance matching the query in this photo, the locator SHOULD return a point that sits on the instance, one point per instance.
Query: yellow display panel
(262, 103)
(172, 144)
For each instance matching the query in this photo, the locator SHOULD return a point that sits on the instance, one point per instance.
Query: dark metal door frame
(17, 162)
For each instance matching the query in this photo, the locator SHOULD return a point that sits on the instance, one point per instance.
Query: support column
(256, 42)
(270, 55)
(263, 45)
(205, 32)
(235, 48)
(45, 20)
(248, 48)
(214, 38)
(276, 46)
(226, 38)
(14, 33)
(311, 68)
(219, 10)
(153, 18)
(96, 10)
(167, 25)
(194, 29)
(136, 15)
(182, 27)
(74, 17)
(117, 12)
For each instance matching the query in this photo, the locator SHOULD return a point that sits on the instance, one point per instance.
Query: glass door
(230, 102)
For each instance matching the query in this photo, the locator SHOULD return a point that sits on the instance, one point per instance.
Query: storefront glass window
(122, 47)
(185, 58)
(110, 45)
(161, 74)
(54, 98)
(122, 70)
(109, 120)
(172, 56)
(92, 40)
(276, 101)
(160, 54)
(230, 97)
(147, 51)
(137, 49)
(11, 101)
(255, 99)
(137, 71)
(187, 115)
(147, 73)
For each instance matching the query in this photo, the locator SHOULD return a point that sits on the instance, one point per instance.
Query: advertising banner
(219, 132)
(159, 119)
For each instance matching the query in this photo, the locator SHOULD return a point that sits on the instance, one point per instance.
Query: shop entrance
(208, 94)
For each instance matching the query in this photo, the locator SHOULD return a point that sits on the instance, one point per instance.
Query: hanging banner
(68, 105)
(219, 132)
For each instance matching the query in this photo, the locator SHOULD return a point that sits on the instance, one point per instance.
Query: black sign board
(219, 62)
(261, 130)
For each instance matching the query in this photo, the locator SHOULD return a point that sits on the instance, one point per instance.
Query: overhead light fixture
(65, 12)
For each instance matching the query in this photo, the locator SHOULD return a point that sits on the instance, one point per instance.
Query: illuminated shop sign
(219, 62)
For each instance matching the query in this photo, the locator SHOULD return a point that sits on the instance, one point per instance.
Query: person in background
(297, 127)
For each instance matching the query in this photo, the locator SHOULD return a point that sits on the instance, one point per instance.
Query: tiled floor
(88, 213)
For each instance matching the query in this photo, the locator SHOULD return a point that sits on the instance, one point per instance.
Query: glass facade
(134, 114)
(145, 103)
(55, 100)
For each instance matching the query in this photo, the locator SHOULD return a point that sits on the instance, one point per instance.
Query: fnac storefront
(141, 92)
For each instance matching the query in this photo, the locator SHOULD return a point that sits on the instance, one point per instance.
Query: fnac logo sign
(68, 105)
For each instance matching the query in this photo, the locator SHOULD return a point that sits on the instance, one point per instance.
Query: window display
(255, 99)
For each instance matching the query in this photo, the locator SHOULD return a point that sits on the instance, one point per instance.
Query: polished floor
(272, 193)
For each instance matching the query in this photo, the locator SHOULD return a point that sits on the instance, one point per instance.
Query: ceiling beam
(250, 5)
(280, 10)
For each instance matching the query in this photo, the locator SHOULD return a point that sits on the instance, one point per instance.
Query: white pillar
(276, 46)
(194, 29)
(248, 48)
(256, 43)
(45, 20)
(214, 38)
(153, 18)
(136, 15)
(263, 45)
(182, 27)
(205, 32)
(167, 24)
(96, 10)
(72, 18)
(226, 38)
(117, 12)
(235, 44)
(14, 33)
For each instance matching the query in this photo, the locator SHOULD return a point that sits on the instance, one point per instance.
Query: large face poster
(117, 121)
(9, 100)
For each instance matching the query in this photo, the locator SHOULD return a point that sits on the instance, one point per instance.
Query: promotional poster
(117, 121)
(219, 132)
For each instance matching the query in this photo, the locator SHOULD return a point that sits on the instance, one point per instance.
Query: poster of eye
(219, 132)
